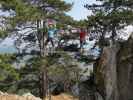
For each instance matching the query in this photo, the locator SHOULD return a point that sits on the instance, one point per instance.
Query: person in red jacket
(82, 37)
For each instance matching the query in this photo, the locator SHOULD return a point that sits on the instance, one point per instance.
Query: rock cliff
(114, 72)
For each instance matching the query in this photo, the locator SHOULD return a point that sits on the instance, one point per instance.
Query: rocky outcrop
(105, 74)
(114, 72)
(125, 70)
(87, 89)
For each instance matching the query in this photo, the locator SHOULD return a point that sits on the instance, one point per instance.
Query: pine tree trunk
(44, 77)
(44, 84)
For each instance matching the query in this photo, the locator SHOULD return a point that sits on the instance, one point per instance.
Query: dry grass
(6, 96)
(15, 97)
(63, 97)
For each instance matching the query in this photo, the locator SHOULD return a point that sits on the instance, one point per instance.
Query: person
(51, 34)
(82, 38)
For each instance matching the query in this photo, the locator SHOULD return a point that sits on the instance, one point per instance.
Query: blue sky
(78, 11)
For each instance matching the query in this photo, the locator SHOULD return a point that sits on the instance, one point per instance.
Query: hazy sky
(78, 11)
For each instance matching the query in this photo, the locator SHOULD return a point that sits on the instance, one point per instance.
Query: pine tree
(32, 14)
(109, 16)
(8, 74)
